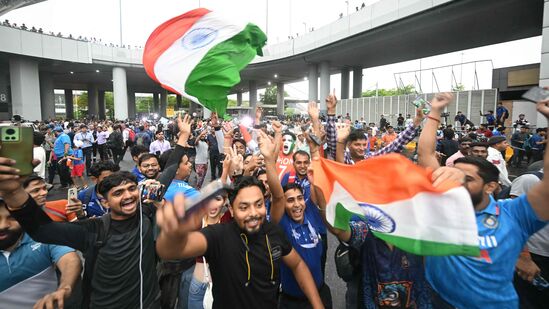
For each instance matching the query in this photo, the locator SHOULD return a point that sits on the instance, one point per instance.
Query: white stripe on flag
(175, 65)
(447, 218)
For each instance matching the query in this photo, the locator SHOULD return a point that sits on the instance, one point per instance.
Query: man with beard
(503, 228)
(244, 255)
(464, 148)
(120, 269)
(289, 211)
(149, 166)
(479, 149)
(27, 272)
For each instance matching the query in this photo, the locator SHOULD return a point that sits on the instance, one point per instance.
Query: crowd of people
(262, 242)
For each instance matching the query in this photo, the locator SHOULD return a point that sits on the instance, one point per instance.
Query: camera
(153, 192)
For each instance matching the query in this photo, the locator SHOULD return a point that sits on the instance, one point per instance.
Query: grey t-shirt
(539, 242)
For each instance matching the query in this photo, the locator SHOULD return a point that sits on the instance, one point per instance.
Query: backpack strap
(102, 227)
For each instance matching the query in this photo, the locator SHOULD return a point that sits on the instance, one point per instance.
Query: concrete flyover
(389, 31)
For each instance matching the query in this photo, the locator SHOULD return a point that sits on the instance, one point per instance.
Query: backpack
(103, 227)
(505, 192)
(131, 135)
(140, 140)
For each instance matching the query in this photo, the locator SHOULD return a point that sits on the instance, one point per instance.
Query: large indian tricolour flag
(400, 205)
(200, 55)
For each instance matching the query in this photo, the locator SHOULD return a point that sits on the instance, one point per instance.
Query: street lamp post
(347, 2)
(305, 26)
(120, 9)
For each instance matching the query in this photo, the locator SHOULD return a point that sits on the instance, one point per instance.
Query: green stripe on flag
(425, 247)
(219, 70)
(343, 216)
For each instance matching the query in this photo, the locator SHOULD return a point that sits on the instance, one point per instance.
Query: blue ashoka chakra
(377, 219)
(198, 38)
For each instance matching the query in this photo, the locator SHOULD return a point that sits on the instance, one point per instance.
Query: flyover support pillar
(131, 104)
(178, 102)
(324, 84)
(357, 82)
(47, 96)
(345, 83)
(25, 88)
(313, 82)
(120, 93)
(101, 104)
(156, 102)
(280, 99)
(163, 102)
(541, 121)
(69, 104)
(93, 102)
(253, 96)
(239, 98)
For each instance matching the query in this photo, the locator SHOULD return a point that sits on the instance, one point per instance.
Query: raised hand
(331, 103)
(214, 120)
(441, 100)
(258, 113)
(313, 110)
(343, 131)
(184, 124)
(228, 129)
(277, 126)
(543, 106)
(419, 117)
(267, 147)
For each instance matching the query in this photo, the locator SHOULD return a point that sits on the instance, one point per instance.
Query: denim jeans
(186, 278)
(196, 293)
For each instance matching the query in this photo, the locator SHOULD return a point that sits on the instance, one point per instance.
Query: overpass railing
(470, 103)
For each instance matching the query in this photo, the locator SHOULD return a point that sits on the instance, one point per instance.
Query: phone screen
(536, 94)
(207, 193)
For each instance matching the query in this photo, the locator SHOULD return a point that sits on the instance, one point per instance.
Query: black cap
(495, 140)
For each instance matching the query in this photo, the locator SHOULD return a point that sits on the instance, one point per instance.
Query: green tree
(232, 103)
(269, 97)
(408, 89)
(172, 101)
(81, 105)
(109, 105)
(289, 111)
(144, 104)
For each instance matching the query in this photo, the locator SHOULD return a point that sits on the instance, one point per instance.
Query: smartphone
(72, 193)
(16, 143)
(207, 193)
(536, 94)
(315, 139)
(153, 192)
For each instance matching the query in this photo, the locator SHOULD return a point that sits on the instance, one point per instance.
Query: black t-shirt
(226, 256)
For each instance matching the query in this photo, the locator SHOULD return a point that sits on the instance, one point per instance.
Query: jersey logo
(490, 222)
(276, 251)
(35, 246)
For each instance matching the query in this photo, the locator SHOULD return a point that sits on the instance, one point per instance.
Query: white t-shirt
(539, 242)
(201, 153)
(495, 157)
(40, 154)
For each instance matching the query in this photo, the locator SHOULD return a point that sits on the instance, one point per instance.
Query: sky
(279, 19)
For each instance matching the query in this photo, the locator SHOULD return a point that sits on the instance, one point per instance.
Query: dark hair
(259, 172)
(486, 170)
(292, 185)
(82, 126)
(301, 153)
(538, 130)
(145, 157)
(245, 182)
(38, 138)
(116, 127)
(141, 129)
(136, 150)
(448, 133)
(464, 139)
(289, 133)
(164, 158)
(32, 178)
(246, 155)
(158, 132)
(239, 140)
(97, 168)
(356, 135)
(114, 180)
(479, 144)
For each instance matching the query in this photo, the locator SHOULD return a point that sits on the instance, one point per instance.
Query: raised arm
(304, 278)
(180, 239)
(426, 150)
(342, 134)
(70, 267)
(331, 134)
(269, 151)
(539, 194)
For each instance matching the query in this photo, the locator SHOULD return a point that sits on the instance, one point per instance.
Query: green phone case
(16, 143)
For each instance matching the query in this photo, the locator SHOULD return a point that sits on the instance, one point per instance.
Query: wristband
(433, 118)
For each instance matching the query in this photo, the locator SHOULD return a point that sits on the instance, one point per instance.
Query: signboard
(170, 112)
